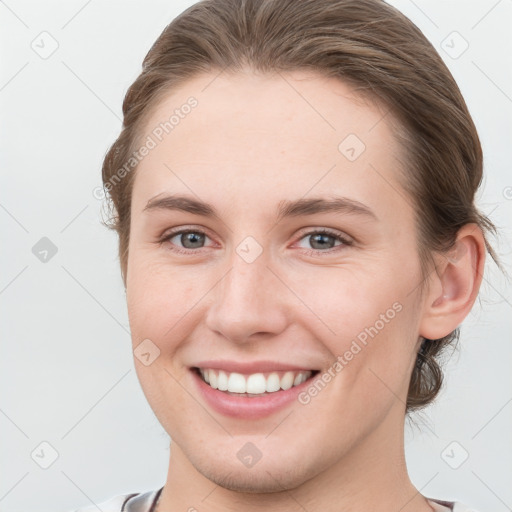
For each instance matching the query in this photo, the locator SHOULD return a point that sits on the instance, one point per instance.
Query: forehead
(262, 136)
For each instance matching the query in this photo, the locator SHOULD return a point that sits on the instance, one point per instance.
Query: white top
(146, 502)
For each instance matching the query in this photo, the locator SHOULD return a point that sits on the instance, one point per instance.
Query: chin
(262, 478)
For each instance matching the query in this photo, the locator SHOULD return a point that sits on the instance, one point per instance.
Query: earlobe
(455, 284)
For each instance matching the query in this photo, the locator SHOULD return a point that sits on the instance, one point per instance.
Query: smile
(249, 390)
(255, 384)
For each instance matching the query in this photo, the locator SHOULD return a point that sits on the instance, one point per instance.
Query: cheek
(346, 301)
(158, 294)
(377, 361)
(160, 302)
(368, 324)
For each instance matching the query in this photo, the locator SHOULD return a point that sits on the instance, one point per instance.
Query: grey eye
(192, 239)
(321, 241)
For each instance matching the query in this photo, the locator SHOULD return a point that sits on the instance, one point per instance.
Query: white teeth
(213, 380)
(222, 381)
(236, 383)
(273, 383)
(287, 380)
(298, 379)
(255, 384)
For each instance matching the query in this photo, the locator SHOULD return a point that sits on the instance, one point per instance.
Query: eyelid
(185, 228)
(345, 242)
(347, 239)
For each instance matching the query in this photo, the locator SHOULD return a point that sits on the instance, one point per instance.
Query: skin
(252, 142)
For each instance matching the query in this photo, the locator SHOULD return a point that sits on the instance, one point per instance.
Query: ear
(454, 285)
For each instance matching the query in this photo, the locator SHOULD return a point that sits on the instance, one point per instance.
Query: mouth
(254, 385)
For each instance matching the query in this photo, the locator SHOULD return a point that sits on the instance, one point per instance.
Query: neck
(371, 476)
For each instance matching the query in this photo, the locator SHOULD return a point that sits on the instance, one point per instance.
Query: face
(304, 259)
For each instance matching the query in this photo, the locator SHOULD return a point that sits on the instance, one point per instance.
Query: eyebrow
(286, 208)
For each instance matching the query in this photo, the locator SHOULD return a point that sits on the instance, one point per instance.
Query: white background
(67, 373)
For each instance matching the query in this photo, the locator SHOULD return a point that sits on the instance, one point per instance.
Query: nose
(249, 302)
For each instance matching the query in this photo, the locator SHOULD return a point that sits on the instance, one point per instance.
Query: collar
(142, 502)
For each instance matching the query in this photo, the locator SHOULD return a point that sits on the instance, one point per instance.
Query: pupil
(320, 236)
(195, 239)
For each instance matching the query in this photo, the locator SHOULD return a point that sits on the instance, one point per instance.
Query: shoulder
(449, 506)
(460, 507)
(132, 502)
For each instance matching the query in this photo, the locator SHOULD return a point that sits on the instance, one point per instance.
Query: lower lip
(248, 407)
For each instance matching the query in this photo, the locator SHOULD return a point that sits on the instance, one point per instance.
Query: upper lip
(250, 367)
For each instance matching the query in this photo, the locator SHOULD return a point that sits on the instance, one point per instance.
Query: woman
(293, 189)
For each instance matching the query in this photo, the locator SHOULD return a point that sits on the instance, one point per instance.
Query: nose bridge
(245, 300)
(244, 282)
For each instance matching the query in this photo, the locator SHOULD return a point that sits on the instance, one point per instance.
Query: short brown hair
(365, 43)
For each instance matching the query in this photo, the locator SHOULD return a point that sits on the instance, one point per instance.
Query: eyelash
(311, 252)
